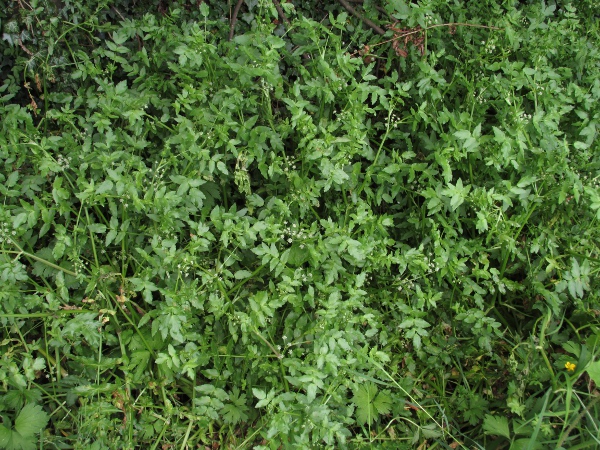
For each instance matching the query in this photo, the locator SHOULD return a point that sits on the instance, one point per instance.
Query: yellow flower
(570, 366)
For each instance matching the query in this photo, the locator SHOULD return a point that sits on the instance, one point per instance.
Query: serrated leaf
(5, 436)
(383, 402)
(59, 250)
(593, 371)
(121, 87)
(499, 135)
(110, 236)
(97, 227)
(297, 256)
(242, 274)
(19, 220)
(259, 393)
(106, 186)
(370, 402)
(31, 420)
(496, 426)
(232, 414)
(311, 392)
(462, 134)
(14, 441)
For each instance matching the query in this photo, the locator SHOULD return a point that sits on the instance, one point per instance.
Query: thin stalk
(37, 258)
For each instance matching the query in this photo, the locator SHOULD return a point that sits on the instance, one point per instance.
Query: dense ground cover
(309, 235)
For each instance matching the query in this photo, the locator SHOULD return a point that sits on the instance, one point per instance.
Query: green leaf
(204, 9)
(593, 371)
(232, 414)
(31, 420)
(259, 393)
(97, 228)
(475, 410)
(383, 402)
(243, 39)
(106, 186)
(462, 134)
(297, 255)
(242, 274)
(526, 444)
(5, 436)
(12, 179)
(235, 411)
(496, 426)
(370, 402)
(19, 220)
(121, 87)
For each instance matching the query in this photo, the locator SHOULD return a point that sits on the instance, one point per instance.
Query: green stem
(45, 315)
(541, 347)
(273, 349)
(37, 258)
(92, 240)
(372, 166)
(576, 421)
(241, 283)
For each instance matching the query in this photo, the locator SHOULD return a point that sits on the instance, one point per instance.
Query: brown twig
(370, 23)
(421, 30)
(117, 11)
(279, 9)
(233, 20)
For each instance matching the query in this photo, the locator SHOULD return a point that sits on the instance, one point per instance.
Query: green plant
(29, 422)
(274, 238)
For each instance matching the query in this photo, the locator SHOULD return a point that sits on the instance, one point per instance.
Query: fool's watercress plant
(274, 241)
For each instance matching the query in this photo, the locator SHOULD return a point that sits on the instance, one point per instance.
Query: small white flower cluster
(79, 265)
(184, 266)
(394, 120)
(6, 233)
(523, 117)
(64, 163)
(490, 47)
(433, 265)
(120, 256)
(266, 86)
(301, 275)
(479, 98)
(292, 232)
(290, 164)
(340, 116)
(156, 177)
(122, 200)
(408, 284)
(429, 20)
(594, 182)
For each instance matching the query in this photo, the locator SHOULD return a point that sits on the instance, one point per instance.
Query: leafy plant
(299, 224)
(370, 402)
(22, 434)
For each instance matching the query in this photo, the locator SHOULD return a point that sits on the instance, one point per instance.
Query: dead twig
(233, 20)
(117, 11)
(405, 34)
(279, 9)
(370, 23)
